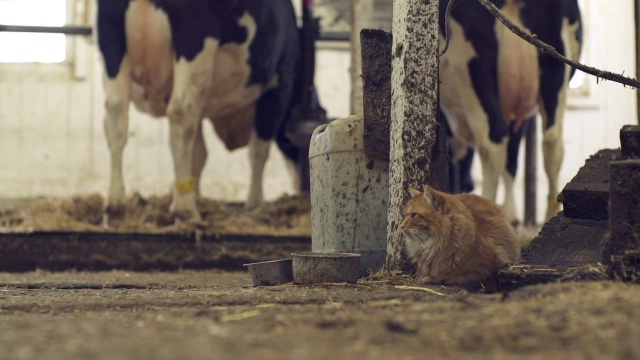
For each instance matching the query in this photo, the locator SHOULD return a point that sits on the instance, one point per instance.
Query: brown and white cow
(492, 82)
(230, 61)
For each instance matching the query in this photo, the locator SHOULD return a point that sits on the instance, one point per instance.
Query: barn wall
(52, 143)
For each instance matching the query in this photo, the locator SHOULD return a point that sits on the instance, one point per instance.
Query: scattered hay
(390, 277)
(625, 267)
(590, 272)
(286, 216)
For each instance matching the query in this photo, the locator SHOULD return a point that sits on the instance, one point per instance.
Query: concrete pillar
(414, 110)
(362, 14)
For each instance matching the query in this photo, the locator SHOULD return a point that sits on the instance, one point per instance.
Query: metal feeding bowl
(269, 273)
(325, 267)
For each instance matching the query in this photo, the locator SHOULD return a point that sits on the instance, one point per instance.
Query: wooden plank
(138, 251)
(567, 242)
(518, 276)
(586, 196)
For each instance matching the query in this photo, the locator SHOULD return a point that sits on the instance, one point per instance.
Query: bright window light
(577, 80)
(32, 47)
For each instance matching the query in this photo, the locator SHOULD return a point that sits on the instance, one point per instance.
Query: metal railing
(68, 29)
(88, 30)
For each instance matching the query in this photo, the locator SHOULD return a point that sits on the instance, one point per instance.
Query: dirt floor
(216, 314)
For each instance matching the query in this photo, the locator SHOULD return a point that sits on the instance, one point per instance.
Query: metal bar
(88, 30)
(637, 33)
(334, 36)
(67, 29)
(530, 171)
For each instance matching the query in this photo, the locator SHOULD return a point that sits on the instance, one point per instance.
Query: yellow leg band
(553, 203)
(185, 185)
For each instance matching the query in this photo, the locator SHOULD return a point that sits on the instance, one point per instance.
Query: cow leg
(181, 138)
(554, 81)
(494, 160)
(191, 83)
(199, 157)
(258, 154)
(553, 153)
(510, 172)
(116, 126)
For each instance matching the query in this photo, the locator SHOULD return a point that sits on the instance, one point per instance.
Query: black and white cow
(492, 82)
(230, 61)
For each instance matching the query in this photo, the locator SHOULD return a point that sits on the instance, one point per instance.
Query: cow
(493, 82)
(233, 62)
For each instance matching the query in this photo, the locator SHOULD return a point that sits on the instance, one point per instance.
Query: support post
(414, 112)
(376, 88)
(530, 170)
(361, 18)
(637, 33)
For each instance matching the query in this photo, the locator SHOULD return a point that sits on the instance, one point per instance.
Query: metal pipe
(67, 29)
(88, 30)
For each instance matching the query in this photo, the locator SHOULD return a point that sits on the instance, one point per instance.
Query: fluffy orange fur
(457, 239)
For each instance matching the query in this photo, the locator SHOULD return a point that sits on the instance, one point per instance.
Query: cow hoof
(252, 204)
(553, 207)
(186, 216)
(114, 216)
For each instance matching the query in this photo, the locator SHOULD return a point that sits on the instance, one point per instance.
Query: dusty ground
(214, 314)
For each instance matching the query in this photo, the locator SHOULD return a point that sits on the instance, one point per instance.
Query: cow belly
(229, 89)
(458, 98)
(518, 71)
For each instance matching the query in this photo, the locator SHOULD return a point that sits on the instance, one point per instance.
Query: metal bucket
(349, 194)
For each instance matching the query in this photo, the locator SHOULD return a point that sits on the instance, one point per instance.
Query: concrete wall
(52, 143)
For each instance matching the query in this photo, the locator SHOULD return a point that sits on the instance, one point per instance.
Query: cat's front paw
(427, 280)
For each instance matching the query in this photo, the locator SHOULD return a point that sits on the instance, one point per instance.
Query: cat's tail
(525, 234)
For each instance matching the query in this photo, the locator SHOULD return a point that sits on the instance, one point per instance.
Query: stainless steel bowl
(325, 267)
(269, 273)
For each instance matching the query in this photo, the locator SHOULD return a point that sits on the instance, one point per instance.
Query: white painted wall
(52, 143)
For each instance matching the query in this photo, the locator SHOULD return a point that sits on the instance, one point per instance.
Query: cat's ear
(414, 192)
(434, 198)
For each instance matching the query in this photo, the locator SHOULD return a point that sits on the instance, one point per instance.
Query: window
(32, 47)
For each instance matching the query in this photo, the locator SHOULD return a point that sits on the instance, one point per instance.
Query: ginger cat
(457, 239)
